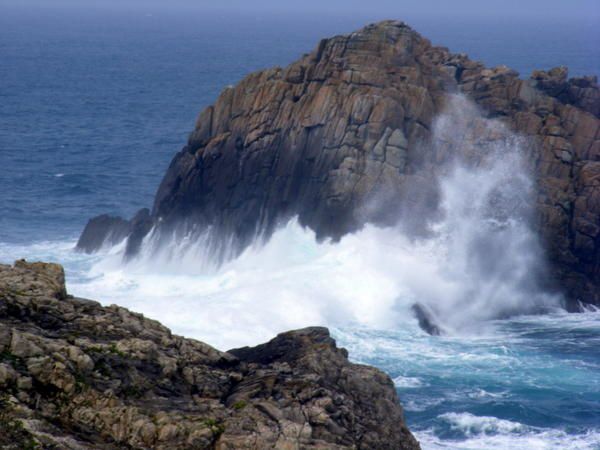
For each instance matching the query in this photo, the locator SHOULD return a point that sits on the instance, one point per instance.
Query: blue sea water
(94, 104)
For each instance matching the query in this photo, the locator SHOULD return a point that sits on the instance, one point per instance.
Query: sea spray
(495, 264)
(478, 260)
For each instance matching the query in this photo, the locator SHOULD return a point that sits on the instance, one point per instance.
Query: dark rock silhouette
(103, 230)
(110, 230)
(426, 319)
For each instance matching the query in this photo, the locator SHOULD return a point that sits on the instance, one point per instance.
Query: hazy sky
(584, 9)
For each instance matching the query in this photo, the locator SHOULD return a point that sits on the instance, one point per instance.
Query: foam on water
(371, 278)
(407, 382)
(290, 282)
(518, 387)
(483, 432)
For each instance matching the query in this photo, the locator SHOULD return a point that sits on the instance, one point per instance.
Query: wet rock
(75, 374)
(105, 230)
(140, 226)
(426, 319)
(102, 230)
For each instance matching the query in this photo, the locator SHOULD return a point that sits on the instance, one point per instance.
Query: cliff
(77, 375)
(352, 122)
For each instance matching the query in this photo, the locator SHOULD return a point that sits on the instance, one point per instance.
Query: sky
(558, 9)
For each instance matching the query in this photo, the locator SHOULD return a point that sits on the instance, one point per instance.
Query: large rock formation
(76, 375)
(352, 122)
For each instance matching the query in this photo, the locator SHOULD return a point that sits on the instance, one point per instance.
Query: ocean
(95, 103)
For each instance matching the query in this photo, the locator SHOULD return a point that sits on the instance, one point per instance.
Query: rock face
(105, 230)
(76, 375)
(350, 124)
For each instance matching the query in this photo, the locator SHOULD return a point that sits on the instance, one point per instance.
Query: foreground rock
(74, 374)
(352, 122)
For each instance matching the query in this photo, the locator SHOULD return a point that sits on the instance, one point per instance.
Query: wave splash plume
(476, 257)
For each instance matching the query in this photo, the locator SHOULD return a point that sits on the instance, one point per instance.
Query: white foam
(370, 278)
(472, 425)
(482, 393)
(484, 432)
(476, 265)
(266, 290)
(50, 251)
(407, 382)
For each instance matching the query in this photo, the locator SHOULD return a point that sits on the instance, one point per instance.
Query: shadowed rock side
(352, 122)
(76, 375)
(426, 319)
(105, 230)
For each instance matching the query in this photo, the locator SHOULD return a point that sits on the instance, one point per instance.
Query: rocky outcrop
(581, 92)
(344, 136)
(106, 230)
(103, 230)
(77, 375)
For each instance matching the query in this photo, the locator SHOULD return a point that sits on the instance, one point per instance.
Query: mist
(480, 261)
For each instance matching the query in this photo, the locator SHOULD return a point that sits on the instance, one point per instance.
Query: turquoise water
(528, 383)
(93, 105)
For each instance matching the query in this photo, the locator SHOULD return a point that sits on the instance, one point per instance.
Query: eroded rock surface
(77, 375)
(353, 121)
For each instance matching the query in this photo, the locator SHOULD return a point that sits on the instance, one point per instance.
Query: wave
(484, 432)
(370, 278)
(407, 382)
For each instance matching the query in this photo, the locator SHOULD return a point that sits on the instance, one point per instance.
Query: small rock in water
(426, 319)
